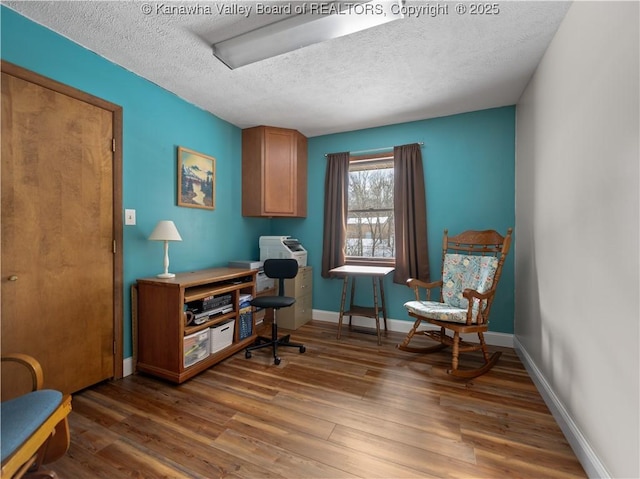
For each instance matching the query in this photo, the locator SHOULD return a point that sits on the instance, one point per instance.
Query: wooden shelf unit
(161, 319)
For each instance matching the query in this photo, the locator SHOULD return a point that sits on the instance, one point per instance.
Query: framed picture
(196, 179)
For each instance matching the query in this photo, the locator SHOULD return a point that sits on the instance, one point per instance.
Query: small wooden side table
(377, 273)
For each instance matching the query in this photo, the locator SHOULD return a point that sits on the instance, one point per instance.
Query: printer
(282, 247)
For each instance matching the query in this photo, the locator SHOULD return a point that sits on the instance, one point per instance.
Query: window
(364, 190)
(370, 223)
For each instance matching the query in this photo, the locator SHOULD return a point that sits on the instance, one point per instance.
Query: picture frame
(196, 179)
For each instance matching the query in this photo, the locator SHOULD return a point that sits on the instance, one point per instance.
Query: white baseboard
(403, 326)
(127, 367)
(581, 447)
(397, 325)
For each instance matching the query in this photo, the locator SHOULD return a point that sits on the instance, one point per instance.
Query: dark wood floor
(345, 408)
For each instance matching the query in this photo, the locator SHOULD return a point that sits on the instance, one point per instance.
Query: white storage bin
(196, 347)
(221, 336)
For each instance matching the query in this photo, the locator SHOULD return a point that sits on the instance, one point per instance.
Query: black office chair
(279, 269)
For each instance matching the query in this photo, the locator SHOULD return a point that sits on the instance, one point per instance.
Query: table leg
(353, 293)
(344, 296)
(384, 306)
(375, 310)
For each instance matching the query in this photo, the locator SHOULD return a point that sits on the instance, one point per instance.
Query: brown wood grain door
(58, 234)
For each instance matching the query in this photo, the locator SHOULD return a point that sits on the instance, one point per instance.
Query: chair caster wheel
(302, 349)
(247, 354)
(276, 361)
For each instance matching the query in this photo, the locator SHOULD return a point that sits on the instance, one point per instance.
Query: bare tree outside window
(370, 223)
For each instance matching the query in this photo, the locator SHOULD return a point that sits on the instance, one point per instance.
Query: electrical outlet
(129, 217)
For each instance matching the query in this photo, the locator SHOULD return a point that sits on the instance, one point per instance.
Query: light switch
(129, 217)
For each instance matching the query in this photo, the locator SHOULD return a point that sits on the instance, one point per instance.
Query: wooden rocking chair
(471, 268)
(34, 426)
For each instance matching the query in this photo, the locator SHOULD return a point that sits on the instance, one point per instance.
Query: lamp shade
(165, 230)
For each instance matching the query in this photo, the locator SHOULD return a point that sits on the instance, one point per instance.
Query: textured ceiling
(411, 69)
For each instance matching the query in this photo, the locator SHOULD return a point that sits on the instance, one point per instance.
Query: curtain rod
(421, 143)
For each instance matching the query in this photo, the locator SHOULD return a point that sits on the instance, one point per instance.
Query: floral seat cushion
(437, 310)
(459, 272)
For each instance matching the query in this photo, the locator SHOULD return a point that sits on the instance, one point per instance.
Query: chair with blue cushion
(279, 269)
(34, 427)
(471, 268)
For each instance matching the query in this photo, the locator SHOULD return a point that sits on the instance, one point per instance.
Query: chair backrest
(281, 269)
(20, 375)
(35, 429)
(472, 259)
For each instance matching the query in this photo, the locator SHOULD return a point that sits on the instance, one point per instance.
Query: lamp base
(166, 275)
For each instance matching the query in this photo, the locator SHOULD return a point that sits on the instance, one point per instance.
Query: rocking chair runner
(471, 268)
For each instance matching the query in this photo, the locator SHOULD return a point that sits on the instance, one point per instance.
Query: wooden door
(58, 239)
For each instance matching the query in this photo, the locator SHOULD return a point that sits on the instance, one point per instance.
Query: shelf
(195, 369)
(214, 358)
(363, 311)
(209, 323)
(199, 292)
(233, 348)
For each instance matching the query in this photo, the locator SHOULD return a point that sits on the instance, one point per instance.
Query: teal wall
(469, 167)
(469, 172)
(155, 123)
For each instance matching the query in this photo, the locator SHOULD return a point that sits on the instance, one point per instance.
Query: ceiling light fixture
(310, 23)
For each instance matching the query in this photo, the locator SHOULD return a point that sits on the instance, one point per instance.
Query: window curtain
(336, 187)
(410, 212)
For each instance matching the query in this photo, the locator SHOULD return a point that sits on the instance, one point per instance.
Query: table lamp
(165, 231)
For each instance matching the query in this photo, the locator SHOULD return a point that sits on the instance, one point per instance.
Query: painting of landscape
(196, 179)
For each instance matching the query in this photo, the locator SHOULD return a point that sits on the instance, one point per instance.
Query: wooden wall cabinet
(274, 172)
(161, 320)
(299, 288)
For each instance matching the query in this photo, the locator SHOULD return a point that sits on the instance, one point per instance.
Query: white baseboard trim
(127, 367)
(403, 326)
(397, 325)
(581, 447)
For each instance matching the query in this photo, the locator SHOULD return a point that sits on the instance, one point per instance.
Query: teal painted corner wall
(469, 167)
(469, 164)
(155, 123)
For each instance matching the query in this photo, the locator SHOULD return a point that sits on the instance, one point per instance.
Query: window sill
(390, 262)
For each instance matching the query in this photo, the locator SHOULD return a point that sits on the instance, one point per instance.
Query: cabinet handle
(13, 277)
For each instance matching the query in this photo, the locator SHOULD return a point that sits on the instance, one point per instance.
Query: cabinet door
(280, 172)
(274, 172)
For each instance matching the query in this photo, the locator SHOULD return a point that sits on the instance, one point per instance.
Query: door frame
(116, 110)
